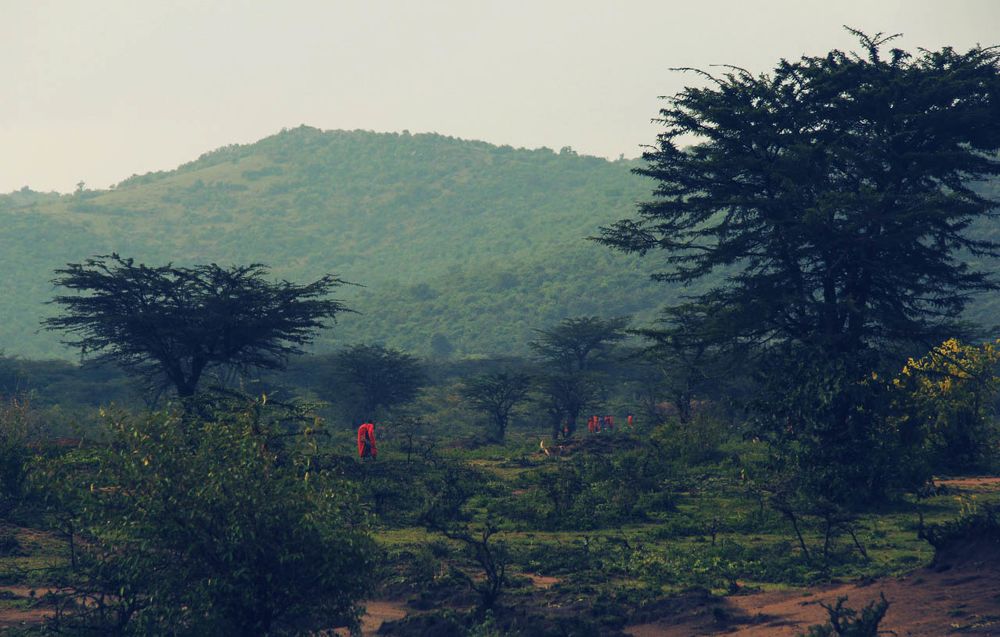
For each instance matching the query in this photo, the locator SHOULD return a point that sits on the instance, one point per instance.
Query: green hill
(462, 243)
(461, 246)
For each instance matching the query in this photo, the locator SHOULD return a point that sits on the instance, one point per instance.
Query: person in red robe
(366, 441)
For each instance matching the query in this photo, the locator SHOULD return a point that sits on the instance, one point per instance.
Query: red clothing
(366, 441)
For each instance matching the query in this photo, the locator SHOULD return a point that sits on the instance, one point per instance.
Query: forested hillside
(463, 247)
(460, 243)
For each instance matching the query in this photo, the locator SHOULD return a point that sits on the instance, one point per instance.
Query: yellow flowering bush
(946, 397)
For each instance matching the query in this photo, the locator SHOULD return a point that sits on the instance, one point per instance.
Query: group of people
(597, 424)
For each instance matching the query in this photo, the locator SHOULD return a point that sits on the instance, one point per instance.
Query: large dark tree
(496, 395)
(831, 200)
(834, 194)
(175, 323)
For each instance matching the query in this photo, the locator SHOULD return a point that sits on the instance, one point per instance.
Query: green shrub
(213, 524)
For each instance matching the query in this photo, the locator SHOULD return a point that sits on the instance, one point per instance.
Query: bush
(846, 622)
(16, 423)
(214, 524)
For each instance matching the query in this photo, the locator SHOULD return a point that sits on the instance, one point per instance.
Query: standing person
(630, 421)
(366, 441)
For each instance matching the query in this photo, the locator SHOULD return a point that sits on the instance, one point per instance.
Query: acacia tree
(834, 197)
(497, 395)
(685, 356)
(576, 344)
(175, 323)
(372, 379)
(572, 353)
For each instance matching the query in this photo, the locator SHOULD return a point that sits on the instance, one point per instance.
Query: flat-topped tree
(575, 343)
(175, 323)
(572, 353)
(371, 380)
(496, 395)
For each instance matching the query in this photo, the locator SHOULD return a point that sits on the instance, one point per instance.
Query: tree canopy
(571, 353)
(496, 395)
(828, 205)
(576, 342)
(835, 194)
(369, 380)
(174, 323)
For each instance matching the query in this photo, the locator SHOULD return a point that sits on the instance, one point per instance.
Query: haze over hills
(462, 247)
(462, 243)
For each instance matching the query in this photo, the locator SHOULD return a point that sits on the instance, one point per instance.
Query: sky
(99, 90)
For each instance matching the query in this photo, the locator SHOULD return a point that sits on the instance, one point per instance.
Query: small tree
(448, 514)
(175, 323)
(497, 395)
(564, 395)
(685, 352)
(370, 380)
(847, 622)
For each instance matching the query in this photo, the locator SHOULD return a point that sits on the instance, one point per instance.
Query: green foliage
(973, 527)
(574, 354)
(685, 359)
(945, 401)
(368, 381)
(828, 206)
(176, 323)
(17, 424)
(497, 395)
(579, 344)
(591, 491)
(697, 441)
(836, 221)
(831, 431)
(217, 524)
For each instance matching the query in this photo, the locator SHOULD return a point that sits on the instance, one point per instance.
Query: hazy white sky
(98, 90)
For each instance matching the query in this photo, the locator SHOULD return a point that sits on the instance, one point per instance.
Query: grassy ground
(711, 533)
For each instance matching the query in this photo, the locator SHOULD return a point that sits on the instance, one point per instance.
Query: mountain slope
(466, 243)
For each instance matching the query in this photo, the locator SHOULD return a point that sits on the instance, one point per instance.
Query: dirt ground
(26, 616)
(379, 612)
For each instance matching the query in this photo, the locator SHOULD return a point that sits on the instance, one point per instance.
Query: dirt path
(377, 612)
(22, 617)
(977, 483)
